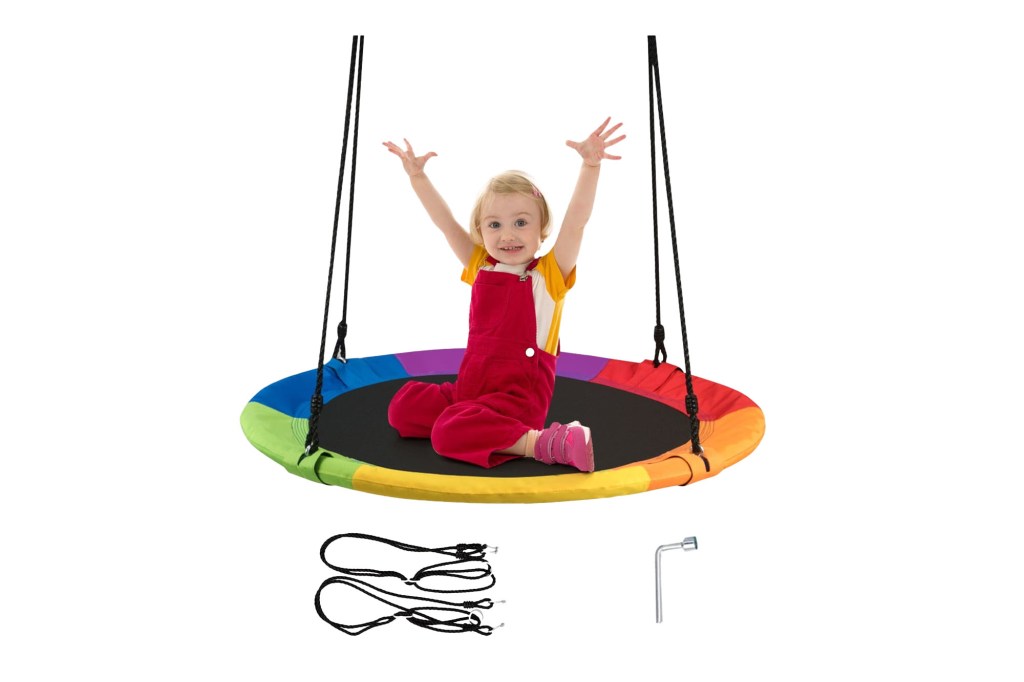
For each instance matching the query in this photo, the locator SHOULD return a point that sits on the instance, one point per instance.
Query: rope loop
(660, 354)
(339, 347)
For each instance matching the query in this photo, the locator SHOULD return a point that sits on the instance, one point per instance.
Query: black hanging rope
(660, 355)
(339, 348)
(316, 403)
(468, 562)
(654, 81)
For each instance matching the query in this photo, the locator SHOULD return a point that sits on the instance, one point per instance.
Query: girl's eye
(494, 225)
(520, 223)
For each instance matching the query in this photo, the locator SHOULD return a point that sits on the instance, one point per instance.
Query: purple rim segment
(582, 367)
(447, 361)
(426, 362)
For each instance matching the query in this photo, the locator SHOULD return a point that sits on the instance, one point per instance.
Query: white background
(847, 186)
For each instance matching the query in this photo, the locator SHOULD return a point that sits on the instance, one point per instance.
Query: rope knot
(691, 404)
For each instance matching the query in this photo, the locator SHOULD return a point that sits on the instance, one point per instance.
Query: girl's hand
(413, 164)
(593, 148)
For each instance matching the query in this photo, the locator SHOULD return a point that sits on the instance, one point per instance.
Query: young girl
(495, 410)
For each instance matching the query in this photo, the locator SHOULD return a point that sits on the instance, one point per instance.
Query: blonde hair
(509, 182)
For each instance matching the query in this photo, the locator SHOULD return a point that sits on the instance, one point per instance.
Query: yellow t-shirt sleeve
(557, 286)
(476, 261)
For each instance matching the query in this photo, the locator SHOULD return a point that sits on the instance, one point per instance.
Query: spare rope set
(466, 553)
(422, 611)
(660, 354)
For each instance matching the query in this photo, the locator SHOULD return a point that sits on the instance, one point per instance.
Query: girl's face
(510, 228)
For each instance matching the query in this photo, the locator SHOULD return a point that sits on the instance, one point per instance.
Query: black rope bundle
(461, 555)
(316, 402)
(466, 617)
(654, 84)
(431, 613)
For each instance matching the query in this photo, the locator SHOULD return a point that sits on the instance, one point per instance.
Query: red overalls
(504, 385)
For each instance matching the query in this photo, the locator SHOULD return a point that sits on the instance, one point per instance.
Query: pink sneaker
(566, 444)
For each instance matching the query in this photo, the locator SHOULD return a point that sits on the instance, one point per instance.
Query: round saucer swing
(330, 424)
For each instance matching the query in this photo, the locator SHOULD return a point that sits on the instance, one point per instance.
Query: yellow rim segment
(624, 481)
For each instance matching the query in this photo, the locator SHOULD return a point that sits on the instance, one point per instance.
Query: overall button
(529, 352)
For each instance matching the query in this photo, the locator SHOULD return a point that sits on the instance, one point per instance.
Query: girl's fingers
(600, 128)
(618, 139)
(611, 130)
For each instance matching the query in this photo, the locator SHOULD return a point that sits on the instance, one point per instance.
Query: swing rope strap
(654, 83)
(316, 402)
(467, 562)
(660, 355)
(339, 348)
(425, 612)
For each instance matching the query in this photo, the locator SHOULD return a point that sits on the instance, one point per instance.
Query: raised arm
(437, 209)
(570, 235)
